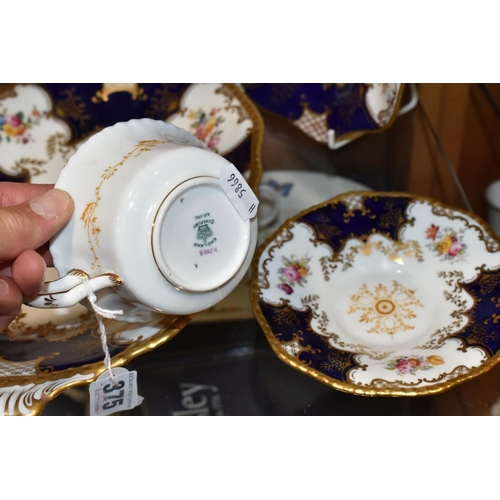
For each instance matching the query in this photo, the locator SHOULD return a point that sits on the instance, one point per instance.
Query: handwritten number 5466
(235, 182)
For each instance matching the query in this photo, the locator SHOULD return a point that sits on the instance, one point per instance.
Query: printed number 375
(113, 399)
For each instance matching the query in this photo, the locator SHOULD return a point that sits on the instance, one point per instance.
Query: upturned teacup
(153, 230)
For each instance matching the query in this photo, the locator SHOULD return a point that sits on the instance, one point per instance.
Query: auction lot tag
(107, 397)
(238, 191)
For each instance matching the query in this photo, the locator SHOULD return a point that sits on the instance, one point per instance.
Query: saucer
(349, 109)
(381, 294)
(296, 190)
(41, 126)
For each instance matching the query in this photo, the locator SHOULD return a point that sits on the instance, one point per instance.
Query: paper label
(238, 191)
(107, 397)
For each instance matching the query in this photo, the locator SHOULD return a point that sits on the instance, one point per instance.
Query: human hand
(30, 214)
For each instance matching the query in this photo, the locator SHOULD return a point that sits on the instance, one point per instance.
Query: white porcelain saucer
(381, 294)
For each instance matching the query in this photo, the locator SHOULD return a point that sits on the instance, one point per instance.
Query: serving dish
(348, 109)
(381, 294)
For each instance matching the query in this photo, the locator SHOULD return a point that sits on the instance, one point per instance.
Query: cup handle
(270, 197)
(69, 290)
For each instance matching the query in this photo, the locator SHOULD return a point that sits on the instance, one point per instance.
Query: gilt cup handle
(71, 289)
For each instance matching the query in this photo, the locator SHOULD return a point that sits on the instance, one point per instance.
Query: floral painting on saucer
(381, 294)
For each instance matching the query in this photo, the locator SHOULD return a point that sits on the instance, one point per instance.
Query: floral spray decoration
(206, 126)
(15, 126)
(447, 243)
(411, 364)
(294, 272)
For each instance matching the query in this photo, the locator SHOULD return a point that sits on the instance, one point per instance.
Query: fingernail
(4, 288)
(50, 204)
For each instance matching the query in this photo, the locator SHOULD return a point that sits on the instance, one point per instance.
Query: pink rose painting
(294, 272)
(291, 274)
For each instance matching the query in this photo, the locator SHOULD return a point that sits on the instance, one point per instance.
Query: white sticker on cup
(107, 397)
(238, 191)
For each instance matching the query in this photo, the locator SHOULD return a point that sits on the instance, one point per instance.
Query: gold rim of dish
(257, 134)
(135, 349)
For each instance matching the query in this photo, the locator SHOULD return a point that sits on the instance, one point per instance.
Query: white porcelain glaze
(141, 189)
(38, 135)
(187, 262)
(214, 115)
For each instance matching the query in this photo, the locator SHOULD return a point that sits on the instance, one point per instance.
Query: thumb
(31, 224)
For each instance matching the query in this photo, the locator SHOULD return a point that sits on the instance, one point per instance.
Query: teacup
(153, 231)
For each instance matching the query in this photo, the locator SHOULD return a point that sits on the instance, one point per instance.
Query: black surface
(229, 369)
